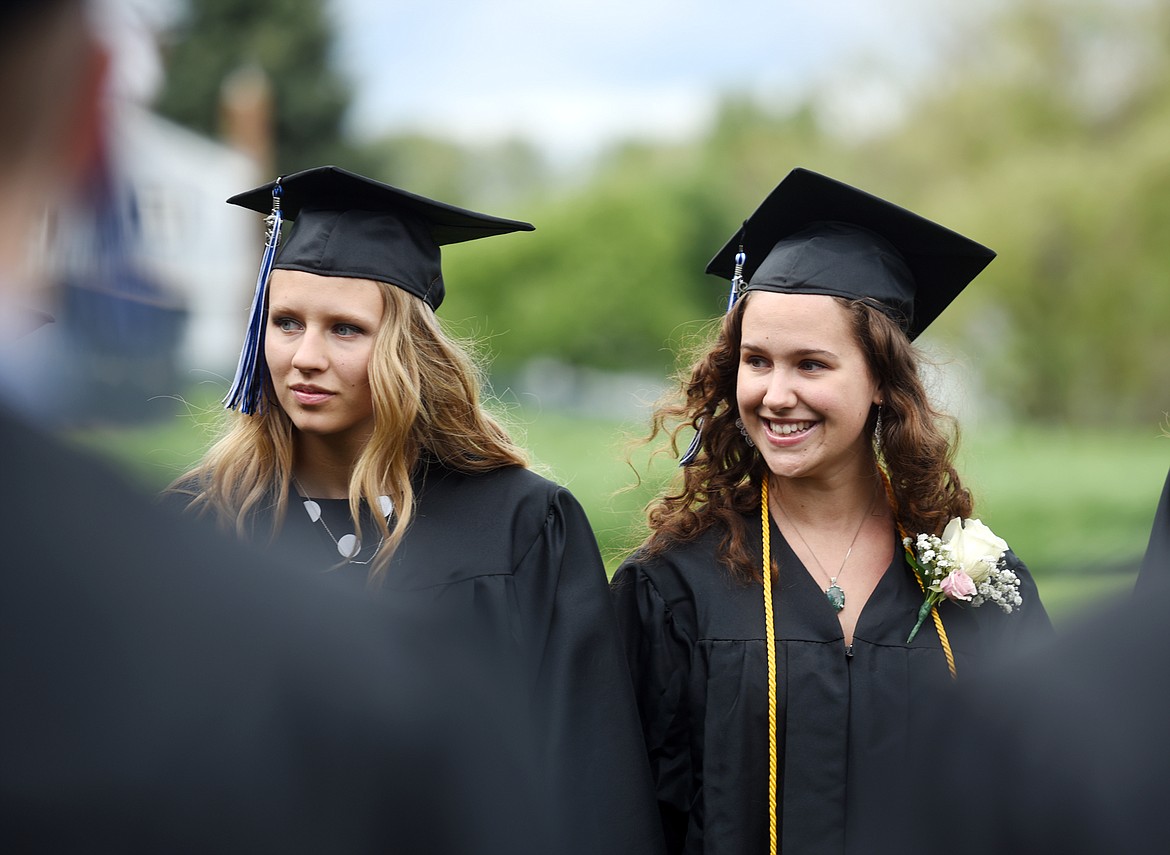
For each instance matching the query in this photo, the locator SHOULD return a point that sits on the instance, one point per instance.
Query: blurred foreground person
(163, 691)
(1065, 750)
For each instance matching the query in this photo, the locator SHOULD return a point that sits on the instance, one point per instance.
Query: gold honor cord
(942, 633)
(938, 624)
(770, 636)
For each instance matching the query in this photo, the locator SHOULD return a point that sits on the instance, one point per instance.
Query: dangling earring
(877, 431)
(743, 430)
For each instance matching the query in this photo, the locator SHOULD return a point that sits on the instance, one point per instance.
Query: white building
(200, 250)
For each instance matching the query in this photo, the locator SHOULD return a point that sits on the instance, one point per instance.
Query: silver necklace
(348, 545)
(833, 593)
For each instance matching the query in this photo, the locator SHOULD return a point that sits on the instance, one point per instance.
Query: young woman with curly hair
(362, 448)
(768, 614)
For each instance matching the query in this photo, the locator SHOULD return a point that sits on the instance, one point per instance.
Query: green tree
(481, 177)
(614, 276)
(1049, 145)
(291, 40)
(1042, 134)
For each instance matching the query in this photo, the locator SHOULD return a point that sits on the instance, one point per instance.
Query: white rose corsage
(965, 565)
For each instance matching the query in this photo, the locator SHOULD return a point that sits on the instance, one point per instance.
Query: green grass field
(1075, 505)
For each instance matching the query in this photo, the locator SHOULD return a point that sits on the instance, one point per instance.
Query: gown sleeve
(658, 652)
(597, 778)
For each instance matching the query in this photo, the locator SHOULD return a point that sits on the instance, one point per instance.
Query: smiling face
(803, 387)
(318, 343)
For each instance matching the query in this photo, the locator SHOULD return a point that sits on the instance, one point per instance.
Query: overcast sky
(572, 74)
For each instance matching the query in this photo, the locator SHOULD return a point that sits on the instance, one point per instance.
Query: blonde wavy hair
(427, 395)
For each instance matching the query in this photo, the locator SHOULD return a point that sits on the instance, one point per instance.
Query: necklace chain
(834, 593)
(349, 545)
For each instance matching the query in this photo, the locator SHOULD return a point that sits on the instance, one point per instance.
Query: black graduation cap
(816, 235)
(352, 226)
(347, 225)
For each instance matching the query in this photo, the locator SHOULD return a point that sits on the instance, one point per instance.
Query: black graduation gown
(847, 721)
(514, 553)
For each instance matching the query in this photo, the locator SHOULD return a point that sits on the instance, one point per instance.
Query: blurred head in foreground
(52, 76)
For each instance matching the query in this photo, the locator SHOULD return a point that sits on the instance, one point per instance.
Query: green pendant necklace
(834, 594)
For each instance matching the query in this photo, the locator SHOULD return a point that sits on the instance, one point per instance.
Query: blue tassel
(693, 449)
(248, 384)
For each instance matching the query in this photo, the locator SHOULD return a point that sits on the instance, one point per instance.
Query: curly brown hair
(916, 450)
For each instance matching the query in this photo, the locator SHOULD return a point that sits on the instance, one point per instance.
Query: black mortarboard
(350, 226)
(816, 235)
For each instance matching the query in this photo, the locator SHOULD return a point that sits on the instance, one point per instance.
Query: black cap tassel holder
(246, 388)
(737, 277)
(736, 286)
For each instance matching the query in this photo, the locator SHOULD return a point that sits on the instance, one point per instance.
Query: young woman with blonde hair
(424, 390)
(362, 447)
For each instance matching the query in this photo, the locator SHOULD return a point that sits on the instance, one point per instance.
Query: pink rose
(957, 586)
